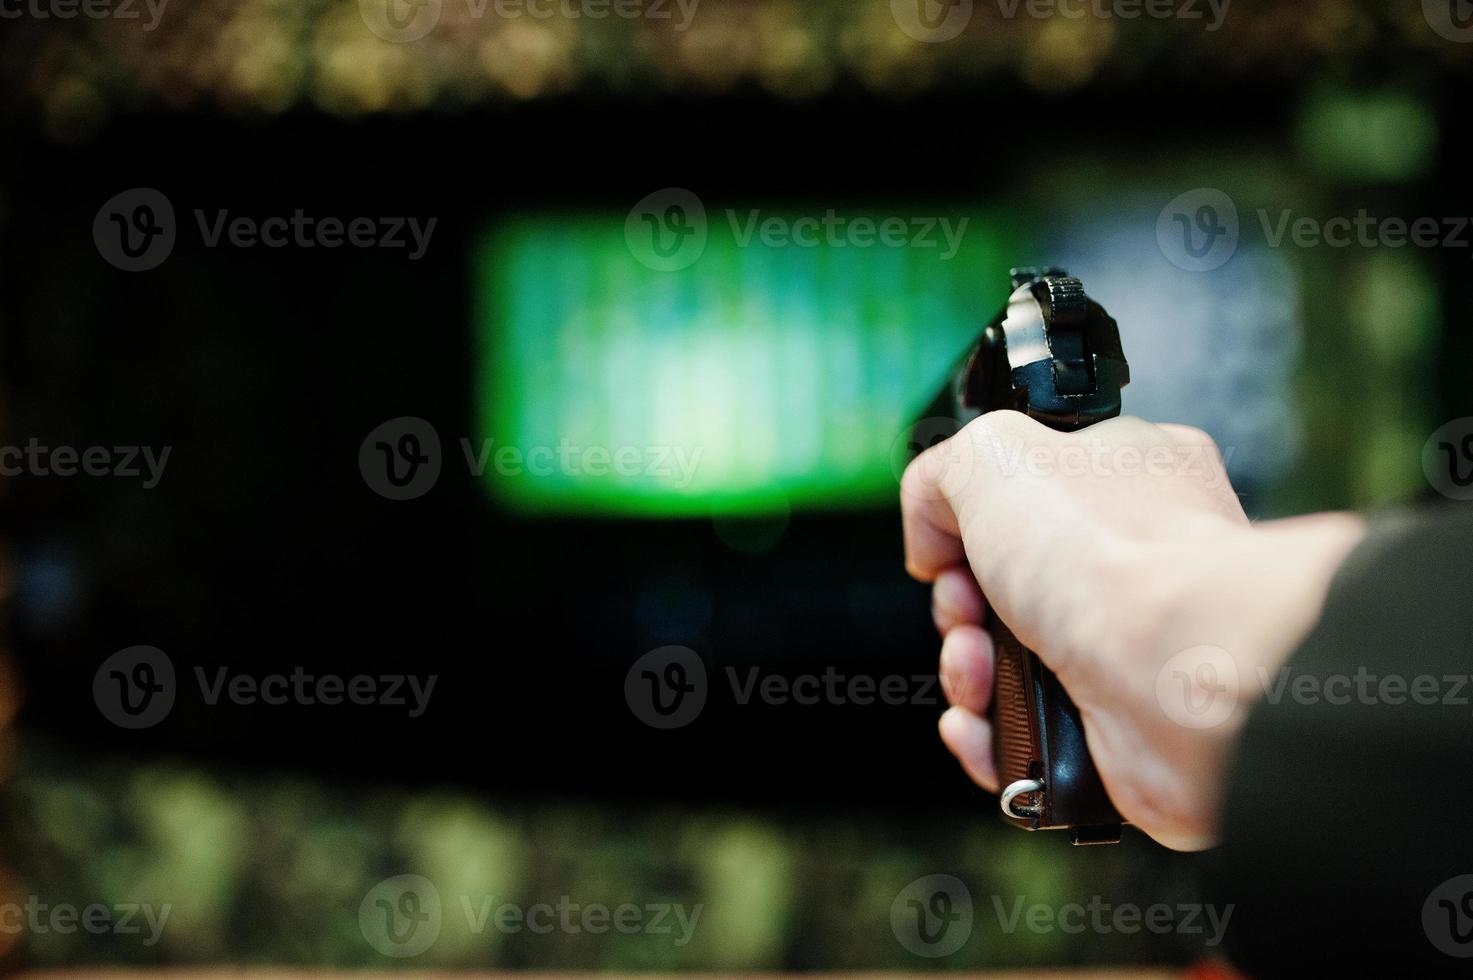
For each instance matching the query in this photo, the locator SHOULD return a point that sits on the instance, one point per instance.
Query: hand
(1121, 556)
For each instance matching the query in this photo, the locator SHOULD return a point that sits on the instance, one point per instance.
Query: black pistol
(1054, 354)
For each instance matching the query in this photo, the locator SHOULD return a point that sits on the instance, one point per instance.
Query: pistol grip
(1049, 780)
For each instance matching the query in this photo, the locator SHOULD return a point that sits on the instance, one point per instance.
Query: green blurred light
(1386, 136)
(758, 379)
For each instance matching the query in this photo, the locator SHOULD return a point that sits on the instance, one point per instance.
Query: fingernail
(944, 614)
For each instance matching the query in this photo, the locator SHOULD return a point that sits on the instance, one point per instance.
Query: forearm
(1254, 592)
(1346, 805)
(1215, 611)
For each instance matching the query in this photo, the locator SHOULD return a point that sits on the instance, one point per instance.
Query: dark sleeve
(1348, 828)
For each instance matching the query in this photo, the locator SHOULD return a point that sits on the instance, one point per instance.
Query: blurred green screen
(759, 377)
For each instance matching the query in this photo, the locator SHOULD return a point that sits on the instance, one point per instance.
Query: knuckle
(995, 425)
(1194, 434)
(988, 435)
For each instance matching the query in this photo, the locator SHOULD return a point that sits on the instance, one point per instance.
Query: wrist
(1261, 593)
(1236, 603)
(1216, 611)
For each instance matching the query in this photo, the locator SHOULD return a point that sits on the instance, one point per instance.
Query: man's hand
(1121, 556)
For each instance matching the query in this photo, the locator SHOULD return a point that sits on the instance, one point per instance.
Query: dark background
(262, 548)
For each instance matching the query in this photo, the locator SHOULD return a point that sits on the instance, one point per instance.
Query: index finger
(933, 540)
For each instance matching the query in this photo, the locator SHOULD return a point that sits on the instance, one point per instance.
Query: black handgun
(1054, 354)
